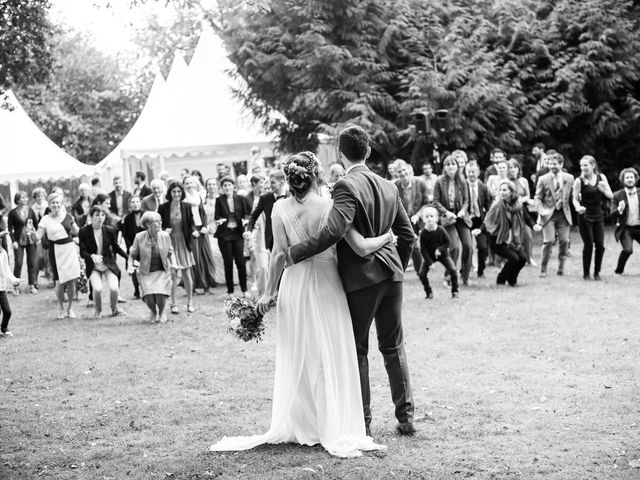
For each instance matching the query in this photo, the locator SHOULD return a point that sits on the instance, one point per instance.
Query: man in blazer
(119, 201)
(152, 202)
(553, 199)
(414, 197)
(479, 204)
(98, 248)
(277, 182)
(373, 284)
(141, 189)
(625, 208)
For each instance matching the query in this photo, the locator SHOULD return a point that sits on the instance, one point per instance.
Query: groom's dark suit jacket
(371, 204)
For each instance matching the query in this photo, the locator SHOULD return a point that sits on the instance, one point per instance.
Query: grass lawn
(534, 382)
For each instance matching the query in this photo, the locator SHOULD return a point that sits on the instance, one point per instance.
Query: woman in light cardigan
(152, 252)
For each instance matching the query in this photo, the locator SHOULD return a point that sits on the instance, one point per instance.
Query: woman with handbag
(22, 224)
(451, 199)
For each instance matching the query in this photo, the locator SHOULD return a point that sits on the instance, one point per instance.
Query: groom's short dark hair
(353, 143)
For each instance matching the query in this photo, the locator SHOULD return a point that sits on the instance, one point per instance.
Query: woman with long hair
(231, 214)
(505, 222)
(22, 223)
(177, 220)
(204, 268)
(524, 194)
(451, 199)
(590, 190)
(60, 228)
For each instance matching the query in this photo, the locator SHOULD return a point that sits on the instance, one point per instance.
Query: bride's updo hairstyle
(301, 170)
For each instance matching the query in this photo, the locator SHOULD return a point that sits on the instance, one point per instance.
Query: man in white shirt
(625, 205)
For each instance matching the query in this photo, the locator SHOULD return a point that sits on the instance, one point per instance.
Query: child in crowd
(7, 280)
(434, 247)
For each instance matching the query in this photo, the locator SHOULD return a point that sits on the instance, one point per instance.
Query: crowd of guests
(500, 210)
(172, 233)
(200, 234)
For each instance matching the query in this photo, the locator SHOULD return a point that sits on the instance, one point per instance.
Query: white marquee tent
(27, 154)
(111, 166)
(196, 121)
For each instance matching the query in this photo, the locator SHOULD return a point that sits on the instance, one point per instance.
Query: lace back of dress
(292, 225)
(294, 229)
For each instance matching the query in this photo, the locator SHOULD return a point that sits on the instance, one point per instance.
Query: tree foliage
(510, 72)
(25, 55)
(90, 100)
(85, 106)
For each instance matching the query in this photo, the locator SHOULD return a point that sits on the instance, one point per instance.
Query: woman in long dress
(524, 193)
(204, 268)
(316, 397)
(209, 204)
(60, 228)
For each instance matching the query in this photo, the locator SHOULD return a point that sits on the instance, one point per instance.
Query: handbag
(447, 221)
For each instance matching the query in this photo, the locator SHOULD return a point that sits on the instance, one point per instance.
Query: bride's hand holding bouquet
(265, 303)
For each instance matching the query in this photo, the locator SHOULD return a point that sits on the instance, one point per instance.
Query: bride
(316, 395)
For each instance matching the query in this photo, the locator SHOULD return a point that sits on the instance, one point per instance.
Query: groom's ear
(368, 152)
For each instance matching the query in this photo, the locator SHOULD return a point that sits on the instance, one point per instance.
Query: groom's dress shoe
(406, 428)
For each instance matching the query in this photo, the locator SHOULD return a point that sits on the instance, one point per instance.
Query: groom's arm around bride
(371, 204)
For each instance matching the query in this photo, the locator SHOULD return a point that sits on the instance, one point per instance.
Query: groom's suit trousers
(382, 302)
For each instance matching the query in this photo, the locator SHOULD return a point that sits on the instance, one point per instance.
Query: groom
(373, 283)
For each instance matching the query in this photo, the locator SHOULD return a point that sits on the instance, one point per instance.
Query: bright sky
(112, 26)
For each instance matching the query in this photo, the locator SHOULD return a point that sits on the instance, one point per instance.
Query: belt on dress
(62, 241)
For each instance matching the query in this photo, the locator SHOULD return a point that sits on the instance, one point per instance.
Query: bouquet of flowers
(244, 320)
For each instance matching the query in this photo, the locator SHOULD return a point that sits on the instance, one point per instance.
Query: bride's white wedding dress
(316, 395)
